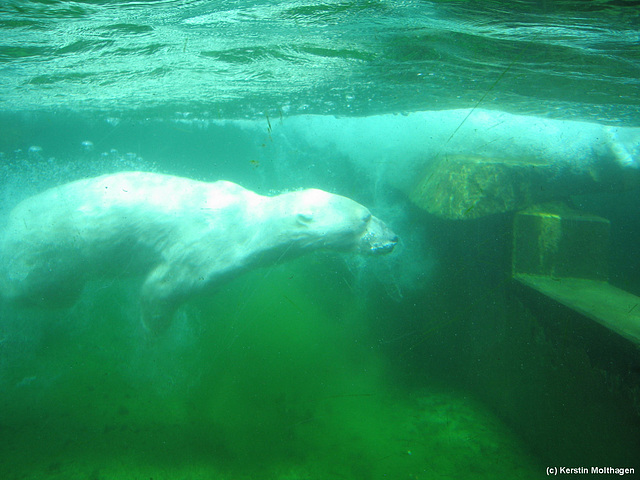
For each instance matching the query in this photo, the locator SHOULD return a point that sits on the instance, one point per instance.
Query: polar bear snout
(377, 239)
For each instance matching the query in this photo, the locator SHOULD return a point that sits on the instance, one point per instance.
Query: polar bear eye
(304, 217)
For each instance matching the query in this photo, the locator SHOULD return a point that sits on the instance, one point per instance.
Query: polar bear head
(324, 220)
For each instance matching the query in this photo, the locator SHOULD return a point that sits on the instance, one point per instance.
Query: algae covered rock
(467, 187)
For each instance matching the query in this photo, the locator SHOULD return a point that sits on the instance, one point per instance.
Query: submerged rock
(467, 187)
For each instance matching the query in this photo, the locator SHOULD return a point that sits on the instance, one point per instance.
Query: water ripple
(333, 56)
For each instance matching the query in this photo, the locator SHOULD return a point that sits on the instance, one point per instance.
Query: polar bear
(183, 236)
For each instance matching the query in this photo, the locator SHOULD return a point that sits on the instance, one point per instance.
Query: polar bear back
(119, 206)
(113, 224)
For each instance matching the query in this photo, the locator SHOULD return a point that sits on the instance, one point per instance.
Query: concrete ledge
(611, 307)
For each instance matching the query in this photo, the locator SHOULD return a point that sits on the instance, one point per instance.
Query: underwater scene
(312, 240)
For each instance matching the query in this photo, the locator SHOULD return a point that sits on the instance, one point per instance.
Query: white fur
(183, 235)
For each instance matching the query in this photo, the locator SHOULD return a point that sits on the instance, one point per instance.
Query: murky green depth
(277, 376)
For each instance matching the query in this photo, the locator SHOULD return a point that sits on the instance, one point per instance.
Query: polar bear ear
(304, 218)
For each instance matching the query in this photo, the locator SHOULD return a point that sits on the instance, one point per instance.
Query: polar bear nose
(384, 247)
(380, 244)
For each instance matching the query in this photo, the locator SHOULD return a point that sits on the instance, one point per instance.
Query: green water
(429, 363)
(278, 376)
